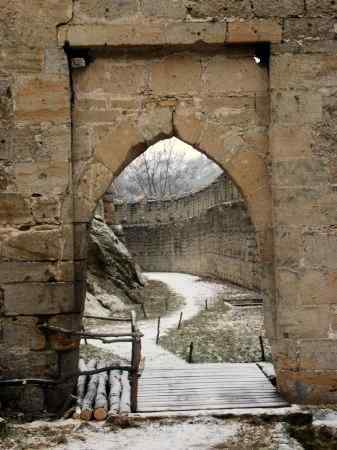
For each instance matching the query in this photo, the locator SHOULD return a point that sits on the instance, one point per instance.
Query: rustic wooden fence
(133, 337)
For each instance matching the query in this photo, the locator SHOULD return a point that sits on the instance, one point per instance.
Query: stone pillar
(303, 148)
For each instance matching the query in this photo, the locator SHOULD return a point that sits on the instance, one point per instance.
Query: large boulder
(114, 278)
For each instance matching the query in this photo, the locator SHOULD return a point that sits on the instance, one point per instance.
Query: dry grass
(220, 334)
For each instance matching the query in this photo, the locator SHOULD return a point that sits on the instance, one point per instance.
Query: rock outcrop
(113, 279)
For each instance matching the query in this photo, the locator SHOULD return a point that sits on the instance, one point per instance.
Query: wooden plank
(207, 402)
(207, 387)
(210, 407)
(206, 375)
(215, 398)
(209, 376)
(206, 392)
(203, 383)
(194, 388)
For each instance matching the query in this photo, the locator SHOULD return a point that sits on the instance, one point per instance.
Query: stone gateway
(87, 85)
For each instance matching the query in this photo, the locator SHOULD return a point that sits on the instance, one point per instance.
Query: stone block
(128, 143)
(317, 287)
(287, 243)
(15, 210)
(27, 271)
(218, 8)
(21, 60)
(176, 74)
(318, 354)
(243, 32)
(40, 143)
(39, 299)
(93, 181)
(22, 332)
(285, 354)
(43, 17)
(113, 35)
(162, 8)
(41, 243)
(319, 248)
(316, 8)
(55, 61)
(291, 142)
(32, 399)
(308, 387)
(287, 296)
(39, 99)
(314, 321)
(42, 178)
(295, 107)
(303, 71)
(156, 122)
(112, 76)
(190, 33)
(188, 123)
(46, 210)
(82, 143)
(299, 172)
(20, 363)
(308, 28)
(239, 76)
(104, 10)
(278, 8)
(238, 111)
(316, 206)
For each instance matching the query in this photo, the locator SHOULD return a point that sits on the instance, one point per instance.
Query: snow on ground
(192, 435)
(194, 291)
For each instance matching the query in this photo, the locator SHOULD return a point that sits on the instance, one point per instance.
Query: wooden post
(206, 304)
(263, 356)
(190, 355)
(135, 361)
(144, 311)
(180, 320)
(158, 331)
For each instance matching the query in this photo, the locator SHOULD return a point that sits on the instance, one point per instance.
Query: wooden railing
(134, 337)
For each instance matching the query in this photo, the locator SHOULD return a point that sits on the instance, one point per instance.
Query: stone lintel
(171, 34)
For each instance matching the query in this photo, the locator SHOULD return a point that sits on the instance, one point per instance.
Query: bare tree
(165, 169)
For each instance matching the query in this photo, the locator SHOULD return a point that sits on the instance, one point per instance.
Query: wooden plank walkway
(206, 387)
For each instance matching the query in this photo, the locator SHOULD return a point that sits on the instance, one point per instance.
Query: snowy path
(194, 291)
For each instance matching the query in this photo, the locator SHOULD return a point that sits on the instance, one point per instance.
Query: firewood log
(124, 407)
(101, 401)
(89, 399)
(115, 392)
(81, 385)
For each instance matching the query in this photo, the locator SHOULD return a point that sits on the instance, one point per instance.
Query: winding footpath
(194, 291)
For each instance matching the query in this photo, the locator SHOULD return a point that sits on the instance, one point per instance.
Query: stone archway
(229, 124)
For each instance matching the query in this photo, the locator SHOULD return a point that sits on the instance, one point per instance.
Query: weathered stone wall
(36, 199)
(184, 207)
(291, 152)
(208, 232)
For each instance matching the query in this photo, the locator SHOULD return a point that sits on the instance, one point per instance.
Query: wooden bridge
(206, 387)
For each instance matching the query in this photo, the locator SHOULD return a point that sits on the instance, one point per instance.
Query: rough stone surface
(208, 233)
(288, 182)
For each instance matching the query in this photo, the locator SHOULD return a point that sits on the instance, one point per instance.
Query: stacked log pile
(102, 395)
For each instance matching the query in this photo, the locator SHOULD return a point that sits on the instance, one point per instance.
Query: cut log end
(100, 414)
(86, 414)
